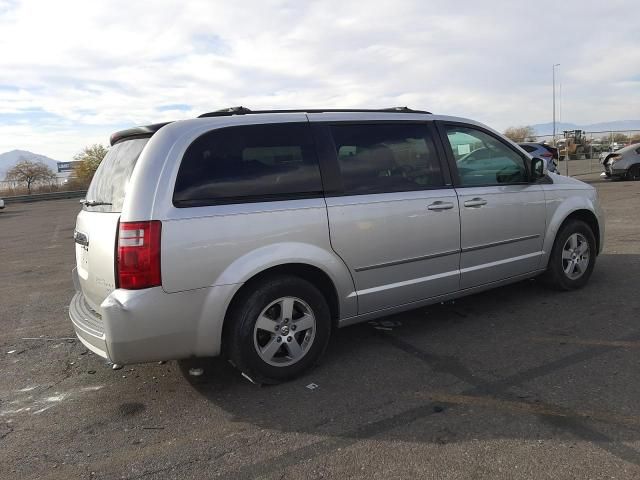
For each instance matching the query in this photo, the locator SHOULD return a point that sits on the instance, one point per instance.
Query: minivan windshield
(108, 187)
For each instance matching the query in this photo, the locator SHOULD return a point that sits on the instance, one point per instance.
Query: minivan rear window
(249, 163)
(110, 181)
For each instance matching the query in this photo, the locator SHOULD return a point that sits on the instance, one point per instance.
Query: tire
(567, 250)
(633, 173)
(268, 346)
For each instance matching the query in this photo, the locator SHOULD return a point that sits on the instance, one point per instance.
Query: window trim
(441, 126)
(330, 164)
(242, 199)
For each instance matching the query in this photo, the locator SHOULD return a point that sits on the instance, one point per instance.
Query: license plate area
(82, 261)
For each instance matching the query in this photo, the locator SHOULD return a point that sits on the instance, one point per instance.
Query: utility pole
(554, 102)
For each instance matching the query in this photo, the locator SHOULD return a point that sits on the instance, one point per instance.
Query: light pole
(554, 103)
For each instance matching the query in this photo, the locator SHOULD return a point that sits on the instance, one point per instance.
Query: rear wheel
(278, 329)
(572, 258)
(633, 173)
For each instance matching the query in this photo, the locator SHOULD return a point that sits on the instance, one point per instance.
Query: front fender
(626, 163)
(560, 205)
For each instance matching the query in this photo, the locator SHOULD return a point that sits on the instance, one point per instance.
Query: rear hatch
(97, 223)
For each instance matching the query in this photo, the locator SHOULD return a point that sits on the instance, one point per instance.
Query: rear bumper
(136, 326)
(88, 325)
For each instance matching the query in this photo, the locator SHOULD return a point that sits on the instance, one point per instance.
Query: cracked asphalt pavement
(517, 382)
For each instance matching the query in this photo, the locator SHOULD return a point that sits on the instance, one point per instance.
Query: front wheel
(278, 329)
(633, 173)
(572, 258)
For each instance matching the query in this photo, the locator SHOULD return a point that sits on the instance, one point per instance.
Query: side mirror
(538, 168)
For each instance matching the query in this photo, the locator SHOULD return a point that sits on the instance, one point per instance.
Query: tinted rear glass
(248, 164)
(110, 181)
(529, 148)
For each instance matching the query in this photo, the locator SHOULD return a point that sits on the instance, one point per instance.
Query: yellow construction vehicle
(575, 145)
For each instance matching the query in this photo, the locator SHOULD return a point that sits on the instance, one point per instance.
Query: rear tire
(278, 329)
(573, 257)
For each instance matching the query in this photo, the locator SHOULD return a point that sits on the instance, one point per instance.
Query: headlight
(613, 159)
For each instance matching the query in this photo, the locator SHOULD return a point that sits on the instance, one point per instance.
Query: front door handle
(440, 206)
(476, 202)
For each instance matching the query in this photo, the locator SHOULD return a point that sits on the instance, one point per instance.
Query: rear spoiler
(136, 132)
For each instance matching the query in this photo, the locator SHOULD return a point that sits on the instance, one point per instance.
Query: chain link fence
(585, 149)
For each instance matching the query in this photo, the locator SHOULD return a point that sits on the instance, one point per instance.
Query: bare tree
(88, 161)
(29, 172)
(520, 134)
(620, 138)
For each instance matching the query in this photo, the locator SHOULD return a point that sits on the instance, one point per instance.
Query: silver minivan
(254, 234)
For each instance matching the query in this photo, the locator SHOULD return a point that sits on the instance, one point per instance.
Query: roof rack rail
(244, 111)
(146, 131)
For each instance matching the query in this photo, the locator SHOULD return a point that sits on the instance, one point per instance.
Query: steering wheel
(477, 154)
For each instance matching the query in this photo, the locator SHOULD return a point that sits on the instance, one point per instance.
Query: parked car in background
(253, 235)
(541, 150)
(596, 147)
(1, 204)
(624, 163)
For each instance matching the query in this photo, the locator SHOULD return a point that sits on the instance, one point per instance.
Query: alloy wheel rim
(284, 331)
(575, 256)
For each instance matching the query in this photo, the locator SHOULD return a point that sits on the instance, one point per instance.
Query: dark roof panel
(136, 132)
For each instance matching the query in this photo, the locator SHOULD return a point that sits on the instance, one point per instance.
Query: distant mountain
(9, 159)
(547, 128)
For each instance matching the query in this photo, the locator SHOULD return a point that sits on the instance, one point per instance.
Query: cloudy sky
(72, 72)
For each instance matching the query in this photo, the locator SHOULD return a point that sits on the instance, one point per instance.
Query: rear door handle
(440, 206)
(476, 202)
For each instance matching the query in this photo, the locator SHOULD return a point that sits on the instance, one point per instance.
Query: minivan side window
(382, 158)
(483, 159)
(248, 164)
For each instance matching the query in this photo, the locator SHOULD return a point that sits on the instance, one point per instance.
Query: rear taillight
(138, 261)
(546, 154)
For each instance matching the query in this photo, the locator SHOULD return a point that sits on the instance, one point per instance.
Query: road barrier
(38, 197)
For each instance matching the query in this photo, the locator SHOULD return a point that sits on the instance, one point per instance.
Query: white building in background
(65, 172)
